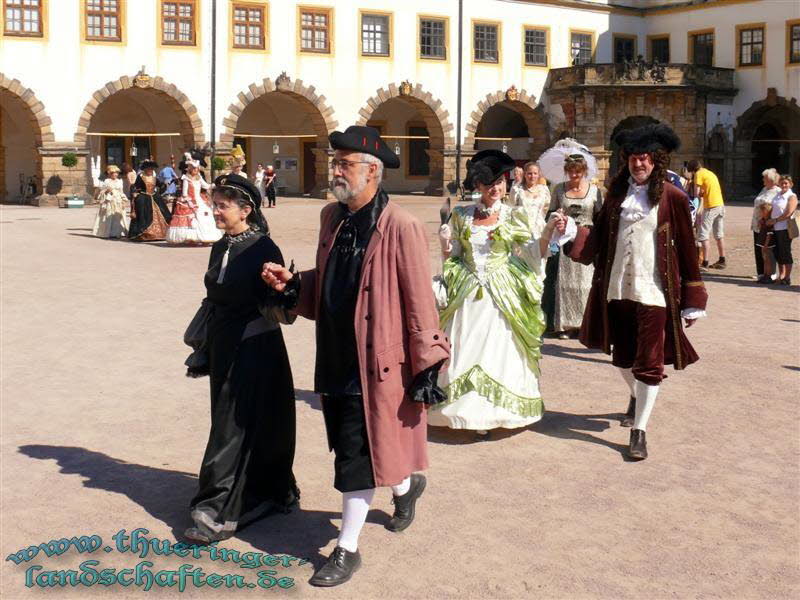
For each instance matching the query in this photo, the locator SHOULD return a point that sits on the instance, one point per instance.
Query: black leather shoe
(638, 447)
(404, 505)
(630, 414)
(338, 570)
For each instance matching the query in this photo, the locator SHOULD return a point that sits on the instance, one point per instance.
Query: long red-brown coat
(397, 334)
(676, 256)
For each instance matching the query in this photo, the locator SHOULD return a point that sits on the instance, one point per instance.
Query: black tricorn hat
(246, 189)
(648, 138)
(357, 138)
(148, 164)
(487, 166)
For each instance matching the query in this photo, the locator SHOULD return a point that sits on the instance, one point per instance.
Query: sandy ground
(101, 431)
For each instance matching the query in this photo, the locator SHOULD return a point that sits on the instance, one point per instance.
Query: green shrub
(218, 163)
(69, 159)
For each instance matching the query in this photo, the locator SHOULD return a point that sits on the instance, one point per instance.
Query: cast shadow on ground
(309, 397)
(79, 229)
(747, 281)
(567, 426)
(791, 367)
(165, 494)
(549, 348)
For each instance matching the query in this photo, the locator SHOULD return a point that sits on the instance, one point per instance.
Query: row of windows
(179, 27)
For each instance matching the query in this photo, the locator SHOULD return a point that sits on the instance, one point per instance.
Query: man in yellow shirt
(711, 215)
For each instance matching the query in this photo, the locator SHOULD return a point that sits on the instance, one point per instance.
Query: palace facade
(123, 80)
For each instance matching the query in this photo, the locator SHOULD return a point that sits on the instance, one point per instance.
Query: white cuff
(691, 314)
(569, 233)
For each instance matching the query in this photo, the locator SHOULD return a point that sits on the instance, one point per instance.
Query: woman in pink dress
(192, 220)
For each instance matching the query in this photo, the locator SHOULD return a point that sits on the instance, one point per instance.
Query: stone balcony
(639, 73)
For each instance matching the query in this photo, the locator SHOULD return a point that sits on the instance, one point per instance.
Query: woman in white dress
(112, 216)
(493, 277)
(532, 195)
(581, 200)
(193, 219)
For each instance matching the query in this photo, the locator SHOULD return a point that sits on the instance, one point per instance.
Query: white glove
(95, 170)
(445, 239)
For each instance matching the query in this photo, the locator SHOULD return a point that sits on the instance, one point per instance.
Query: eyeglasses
(346, 164)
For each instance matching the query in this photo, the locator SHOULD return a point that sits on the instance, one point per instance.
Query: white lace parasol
(551, 162)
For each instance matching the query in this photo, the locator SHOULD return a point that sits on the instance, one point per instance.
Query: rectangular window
(485, 43)
(659, 50)
(703, 49)
(794, 44)
(375, 35)
(751, 46)
(624, 49)
(248, 26)
(178, 23)
(432, 39)
(418, 159)
(581, 47)
(23, 17)
(536, 47)
(103, 20)
(315, 30)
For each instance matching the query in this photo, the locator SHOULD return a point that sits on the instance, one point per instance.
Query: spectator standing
(782, 210)
(765, 198)
(712, 213)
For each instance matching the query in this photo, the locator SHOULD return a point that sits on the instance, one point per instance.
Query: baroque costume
(246, 471)
(149, 214)
(193, 220)
(112, 219)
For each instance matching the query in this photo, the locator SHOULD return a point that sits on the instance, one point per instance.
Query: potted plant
(70, 160)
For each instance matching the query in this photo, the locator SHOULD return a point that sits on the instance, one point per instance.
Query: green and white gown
(494, 321)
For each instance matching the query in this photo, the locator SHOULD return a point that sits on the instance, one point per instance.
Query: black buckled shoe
(638, 447)
(339, 569)
(404, 505)
(630, 414)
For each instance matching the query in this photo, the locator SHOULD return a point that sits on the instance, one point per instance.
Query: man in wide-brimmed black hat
(379, 346)
(646, 274)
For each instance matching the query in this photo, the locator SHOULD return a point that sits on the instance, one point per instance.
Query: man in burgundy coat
(379, 346)
(646, 277)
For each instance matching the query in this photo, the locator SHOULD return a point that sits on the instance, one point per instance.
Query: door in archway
(309, 167)
(768, 152)
(630, 123)
(20, 163)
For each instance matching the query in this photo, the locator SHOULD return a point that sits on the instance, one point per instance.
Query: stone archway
(519, 101)
(430, 112)
(25, 126)
(766, 135)
(314, 108)
(186, 112)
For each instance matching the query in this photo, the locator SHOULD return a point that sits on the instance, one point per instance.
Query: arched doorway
(415, 126)
(509, 120)
(132, 120)
(628, 123)
(769, 133)
(284, 124)
(24, 126)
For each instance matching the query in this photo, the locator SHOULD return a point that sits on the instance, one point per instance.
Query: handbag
(793, 225)
(195, 337)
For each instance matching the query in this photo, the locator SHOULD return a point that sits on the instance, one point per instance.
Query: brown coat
(676, 256)
(397, 334)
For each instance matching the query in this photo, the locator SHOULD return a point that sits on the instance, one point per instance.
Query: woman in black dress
(247, 468)
(149, 214)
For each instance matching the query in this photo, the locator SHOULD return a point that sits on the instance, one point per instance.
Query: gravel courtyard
(101, 431)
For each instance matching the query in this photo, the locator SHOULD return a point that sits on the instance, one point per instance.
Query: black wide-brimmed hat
(486, 167)
(148, 164)
(357, 138)
(648, 138)
(248, 191)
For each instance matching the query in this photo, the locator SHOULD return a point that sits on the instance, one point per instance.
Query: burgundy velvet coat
(676, 256)
(397, 334)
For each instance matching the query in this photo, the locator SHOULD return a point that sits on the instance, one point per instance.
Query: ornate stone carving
(406, 88)
(283, 81)
(142, 79)
(512, 94)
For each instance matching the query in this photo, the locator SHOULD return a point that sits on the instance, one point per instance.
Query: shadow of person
(579, 427)
(309, 397)
(165, 494)
(574, 353)
(461, 437)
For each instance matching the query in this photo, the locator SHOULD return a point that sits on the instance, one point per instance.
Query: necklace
(487, 211)
(232, 239)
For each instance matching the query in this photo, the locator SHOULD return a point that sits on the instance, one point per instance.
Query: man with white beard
(379, 346)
